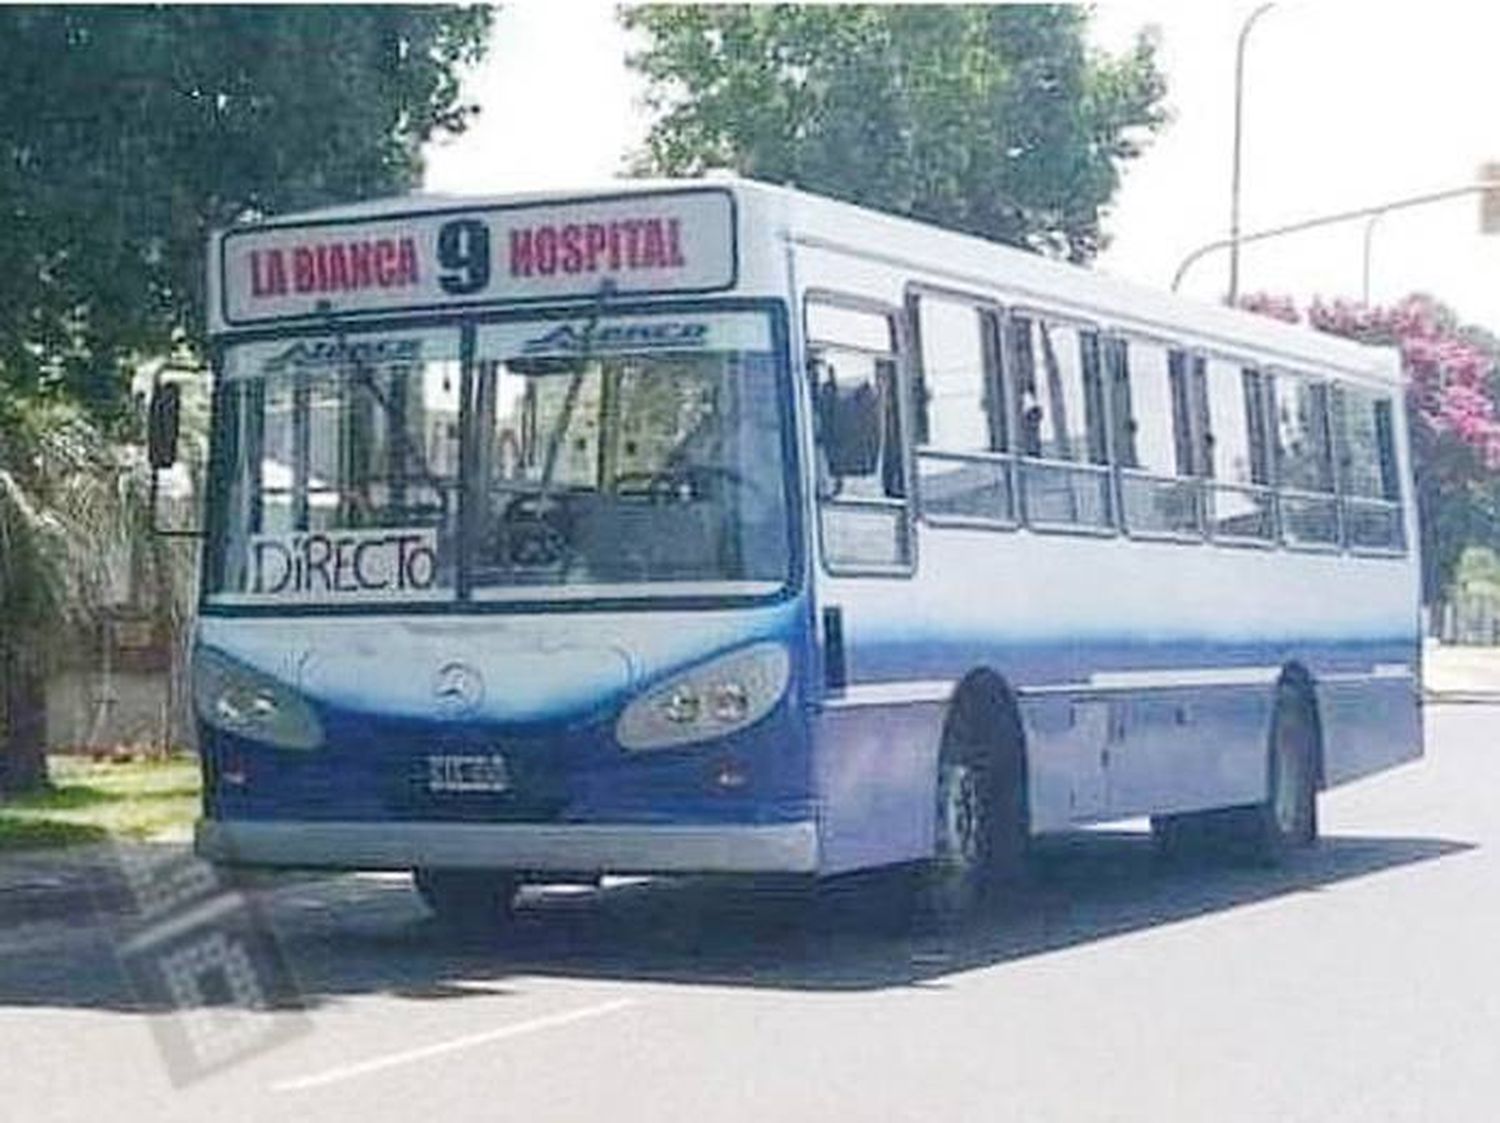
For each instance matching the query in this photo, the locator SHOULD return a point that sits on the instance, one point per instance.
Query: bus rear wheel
(1288, 819)
(463, 900)
(1266, 832)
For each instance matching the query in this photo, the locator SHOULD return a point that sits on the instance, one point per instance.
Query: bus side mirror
(172, 509)
(852, 430)
(163, 421)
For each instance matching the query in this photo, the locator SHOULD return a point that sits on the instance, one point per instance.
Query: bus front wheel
(467, 900)
(981, 836)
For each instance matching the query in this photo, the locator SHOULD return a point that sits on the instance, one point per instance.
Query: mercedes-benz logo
(458, 688)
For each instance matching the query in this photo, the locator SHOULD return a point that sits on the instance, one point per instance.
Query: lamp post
(1488, 189)
(1369, 240)
(1234, 186)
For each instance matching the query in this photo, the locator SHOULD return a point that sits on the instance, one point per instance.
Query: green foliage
(91, 802)
(129, 132)
(1478, 572)
(65, 499)
(994, 120)
(72, 507)
(1452, 389)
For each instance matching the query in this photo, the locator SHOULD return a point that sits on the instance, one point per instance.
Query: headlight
(721, 696)
(236, 699)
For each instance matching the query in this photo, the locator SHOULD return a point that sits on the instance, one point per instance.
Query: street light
(1369, 238)
(1234, 186)
(1487, 189)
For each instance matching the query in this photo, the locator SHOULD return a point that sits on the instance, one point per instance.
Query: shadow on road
(862, 935)
(348, 936)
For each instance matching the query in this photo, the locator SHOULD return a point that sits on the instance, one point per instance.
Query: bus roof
(965, 261)
(935, 255)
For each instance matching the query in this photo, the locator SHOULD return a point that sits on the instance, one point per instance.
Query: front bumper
(527, 847)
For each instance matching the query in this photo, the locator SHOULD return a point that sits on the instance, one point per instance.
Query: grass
(90, 801)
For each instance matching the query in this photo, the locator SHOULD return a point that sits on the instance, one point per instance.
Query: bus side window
(1386, 438)
(957, 386)
(1204, 436)
(1022, 363)
(1240, 504)
(961, 411)
(1182, 411)
(1155, 439)
(1060, 397)
(1257, 413)
(1117, 364)
(1366, 453)
(1304, 461)
(863, 512)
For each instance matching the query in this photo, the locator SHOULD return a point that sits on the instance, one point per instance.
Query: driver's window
(666, 423)
(853, 354)
(652, 451)
(541, 418)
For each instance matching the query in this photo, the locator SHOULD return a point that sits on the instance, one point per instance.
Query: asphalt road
(1360, 983)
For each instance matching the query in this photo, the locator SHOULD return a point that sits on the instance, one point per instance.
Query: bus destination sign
(672, 242)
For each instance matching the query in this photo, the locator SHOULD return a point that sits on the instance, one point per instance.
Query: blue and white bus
(718, 527)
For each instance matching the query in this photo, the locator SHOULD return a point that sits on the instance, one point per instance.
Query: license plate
(453, 773)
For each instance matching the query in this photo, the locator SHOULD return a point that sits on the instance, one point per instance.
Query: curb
(56, 882)
(1461, 697)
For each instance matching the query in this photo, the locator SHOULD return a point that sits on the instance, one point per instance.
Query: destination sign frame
(679, 241)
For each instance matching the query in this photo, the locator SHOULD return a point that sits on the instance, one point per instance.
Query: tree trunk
(23, 722)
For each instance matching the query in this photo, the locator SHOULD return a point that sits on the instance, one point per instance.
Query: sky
(1346, 105)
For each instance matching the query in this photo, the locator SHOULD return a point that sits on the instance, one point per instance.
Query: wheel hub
(961, 817)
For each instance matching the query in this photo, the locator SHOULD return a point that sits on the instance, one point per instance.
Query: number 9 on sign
(464, 252)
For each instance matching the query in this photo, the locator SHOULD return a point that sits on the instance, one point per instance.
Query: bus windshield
(618, 456)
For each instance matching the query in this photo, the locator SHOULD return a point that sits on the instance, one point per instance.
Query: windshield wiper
(408, 451)
(575, 384)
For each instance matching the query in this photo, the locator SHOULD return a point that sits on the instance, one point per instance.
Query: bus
(717, 527)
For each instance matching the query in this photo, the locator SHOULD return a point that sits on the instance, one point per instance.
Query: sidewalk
(89, 884)
(1453, 673)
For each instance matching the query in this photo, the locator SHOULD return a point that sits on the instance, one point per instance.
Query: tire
(980, 825)
(470, 901)
(1288, 818)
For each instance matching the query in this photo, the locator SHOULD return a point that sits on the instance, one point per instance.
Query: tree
(66, 497)
(129, 133)
(994, 120)
(1452, 390)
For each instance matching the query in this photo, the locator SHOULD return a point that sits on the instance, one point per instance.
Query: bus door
(874, 771)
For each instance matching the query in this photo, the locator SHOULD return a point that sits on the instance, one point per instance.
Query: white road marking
(377, 1064)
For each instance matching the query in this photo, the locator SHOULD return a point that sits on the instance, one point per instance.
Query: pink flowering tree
(1452, 391)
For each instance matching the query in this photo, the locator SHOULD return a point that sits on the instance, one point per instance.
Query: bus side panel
(1065, 754)
(1368, 726)
(1187, 749)
(1146, 674)
(873, 771)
